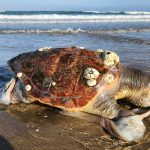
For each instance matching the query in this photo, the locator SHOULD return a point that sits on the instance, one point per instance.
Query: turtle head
(6, 92)
(13, 92)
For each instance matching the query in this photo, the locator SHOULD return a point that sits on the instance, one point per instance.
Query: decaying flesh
(80, 80)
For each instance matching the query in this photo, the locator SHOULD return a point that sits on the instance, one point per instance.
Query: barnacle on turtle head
(109, 58)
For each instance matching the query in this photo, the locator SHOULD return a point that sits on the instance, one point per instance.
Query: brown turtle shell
(56, 76)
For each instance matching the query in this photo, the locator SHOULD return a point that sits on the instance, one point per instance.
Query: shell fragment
(28, 87)
(110, 58)
(19, 74)
(48, 82)
(91, 73)
(92, 82)
(81, 47)
(44, 49)
(53, 83)
(109, 78)
(108, 63)
(100, 50)
(40, 49)
(78, 47)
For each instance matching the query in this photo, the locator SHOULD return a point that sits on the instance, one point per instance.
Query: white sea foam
(77, 17)
(71, 31)
(119, 12)
(74, 17)
(95, 12)
(138, 12)
(55, 18)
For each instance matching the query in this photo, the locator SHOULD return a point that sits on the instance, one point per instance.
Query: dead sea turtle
(83, 83)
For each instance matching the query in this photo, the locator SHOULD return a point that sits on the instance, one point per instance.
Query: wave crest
(90, 12)
(119, 12)
(55, 18)
(71, 31)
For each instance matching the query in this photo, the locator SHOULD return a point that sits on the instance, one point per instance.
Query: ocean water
(127, 33)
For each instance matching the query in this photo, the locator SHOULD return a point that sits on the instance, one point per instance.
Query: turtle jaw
(6, 95)
(14, 92)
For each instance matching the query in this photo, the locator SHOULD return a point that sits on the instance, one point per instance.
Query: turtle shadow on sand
(37, 126)
(4, 144)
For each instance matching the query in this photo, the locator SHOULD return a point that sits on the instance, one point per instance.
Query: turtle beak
(6, 94)
(129, 128)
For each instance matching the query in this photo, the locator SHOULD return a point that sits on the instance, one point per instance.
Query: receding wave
(70, 31)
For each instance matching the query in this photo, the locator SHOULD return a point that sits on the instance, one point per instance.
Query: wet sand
(40, 127)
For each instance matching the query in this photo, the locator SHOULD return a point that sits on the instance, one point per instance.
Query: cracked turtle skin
(56, 76)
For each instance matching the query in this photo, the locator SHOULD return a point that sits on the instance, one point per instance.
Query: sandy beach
(37, 127)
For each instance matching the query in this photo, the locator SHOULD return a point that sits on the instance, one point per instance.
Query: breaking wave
(138, 12)
(119, 12)
(70, 16)
(74, 12)
(70, 31)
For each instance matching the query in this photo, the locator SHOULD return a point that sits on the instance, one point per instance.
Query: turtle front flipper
(107, 107)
